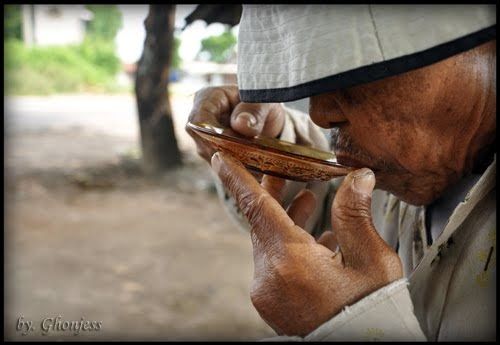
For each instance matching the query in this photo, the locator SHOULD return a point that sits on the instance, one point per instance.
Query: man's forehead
(289, 52)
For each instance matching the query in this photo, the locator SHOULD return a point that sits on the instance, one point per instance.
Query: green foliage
(15, 53)
(176, 59)
(12, 22)
(98, 47)
(90, 66)
(101, 54)
(219, 47)
(106, 22)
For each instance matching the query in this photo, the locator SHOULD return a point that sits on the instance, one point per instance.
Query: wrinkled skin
(419, 132)
(300, 282)
(222, 106)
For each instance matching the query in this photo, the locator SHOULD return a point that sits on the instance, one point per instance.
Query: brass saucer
(272, 156)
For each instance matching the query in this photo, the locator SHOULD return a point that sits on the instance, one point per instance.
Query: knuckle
(352, 210)
(272, 279)
(262, 291)
(217, 93)
(261, 298)
(214, 103)
(231, 183)
(257, 291)
(203, 92)
(252, 206)
(208, 93)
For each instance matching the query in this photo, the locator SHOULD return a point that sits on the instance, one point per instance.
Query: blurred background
(110, 215)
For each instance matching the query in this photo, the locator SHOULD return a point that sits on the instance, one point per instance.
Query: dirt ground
(88, 236)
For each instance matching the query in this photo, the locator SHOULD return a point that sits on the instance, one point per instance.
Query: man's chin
(405, 190)
(392, 178)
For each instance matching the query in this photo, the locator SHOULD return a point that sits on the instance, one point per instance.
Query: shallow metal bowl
(272, 156)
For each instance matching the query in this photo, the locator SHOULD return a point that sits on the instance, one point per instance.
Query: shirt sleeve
(384, 315)
(298, 128)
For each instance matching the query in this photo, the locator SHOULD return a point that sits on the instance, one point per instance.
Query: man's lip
(349, 161)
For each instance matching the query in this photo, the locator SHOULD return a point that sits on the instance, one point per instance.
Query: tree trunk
(159, 145)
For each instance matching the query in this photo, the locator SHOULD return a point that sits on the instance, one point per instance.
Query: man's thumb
(351, 218)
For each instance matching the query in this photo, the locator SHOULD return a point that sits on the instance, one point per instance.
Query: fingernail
(247, 118)
(215, 162)
(364, 181)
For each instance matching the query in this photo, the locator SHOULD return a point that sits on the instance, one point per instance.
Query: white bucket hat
(289, 52)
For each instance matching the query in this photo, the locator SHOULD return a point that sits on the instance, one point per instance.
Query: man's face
(415, 130)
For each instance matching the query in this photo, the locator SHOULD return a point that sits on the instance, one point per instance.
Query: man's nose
(325, 111)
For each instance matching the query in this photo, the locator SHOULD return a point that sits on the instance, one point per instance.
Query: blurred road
(101, 127)
(111, 114)
(114, 115)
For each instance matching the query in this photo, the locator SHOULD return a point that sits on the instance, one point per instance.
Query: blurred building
(213, 73)
(54, 24)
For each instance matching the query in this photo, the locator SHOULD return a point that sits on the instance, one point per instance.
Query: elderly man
(410, 95)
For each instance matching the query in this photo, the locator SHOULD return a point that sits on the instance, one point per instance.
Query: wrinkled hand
(222, 106)
(300, 283)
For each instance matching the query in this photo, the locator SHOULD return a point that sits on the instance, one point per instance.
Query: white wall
(54, 24)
